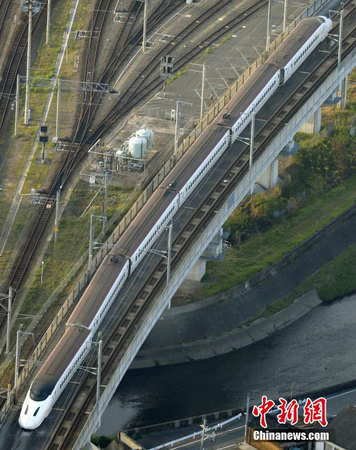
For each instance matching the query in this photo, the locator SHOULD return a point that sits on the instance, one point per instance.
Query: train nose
(32, 415)
(28, 423)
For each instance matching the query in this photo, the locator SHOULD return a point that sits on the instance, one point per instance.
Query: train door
(281, 77)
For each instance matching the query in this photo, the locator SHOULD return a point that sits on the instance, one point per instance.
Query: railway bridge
(297, 103)
(147, 293)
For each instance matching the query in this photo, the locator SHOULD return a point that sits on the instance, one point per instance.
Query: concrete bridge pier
(343, 94)
(289, 150)
(213, 252)
(269, 178)
(313, 124)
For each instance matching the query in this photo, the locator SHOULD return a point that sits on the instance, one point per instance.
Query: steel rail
(110, 71)
(142, 88)
(125, 105)
(120, 52)
(38, 226)
(13, 64)
(203, 215)
(4, 9)
(70, 163)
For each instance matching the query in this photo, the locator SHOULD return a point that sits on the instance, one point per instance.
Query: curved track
(72, 159)
(4, 9)
(13, 64)
(236, 176)
(203, 214)
(138, 91)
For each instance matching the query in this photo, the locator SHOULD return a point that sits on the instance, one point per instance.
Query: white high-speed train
(70, 351)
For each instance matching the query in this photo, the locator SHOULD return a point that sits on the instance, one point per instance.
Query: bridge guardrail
(140, 202)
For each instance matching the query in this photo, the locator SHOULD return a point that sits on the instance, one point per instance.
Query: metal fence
(160, 304)
(218, 106)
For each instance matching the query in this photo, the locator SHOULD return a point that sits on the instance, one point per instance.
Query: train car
(70, 351)
(72, 348)
(305, 37)
(253, 94)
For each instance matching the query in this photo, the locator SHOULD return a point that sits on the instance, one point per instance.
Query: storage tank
(138, 147)
(148, 135)
(119, 154)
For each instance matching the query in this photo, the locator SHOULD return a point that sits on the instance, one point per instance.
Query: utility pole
(246, 421)
(176, 133)
(17, 358)
(91, 242)
(91, 239)
(42, 269)
(98, 380)
(252, 138)
(202, 93)
(58, 107)
(28, 67)
(17, 105)
(49, 2)
(202, 434)
(269, 24)
(105, 200)
(56, 220)
(169, 252)
(8, 328)
(341, 35)
(144, 39)
(285, 15)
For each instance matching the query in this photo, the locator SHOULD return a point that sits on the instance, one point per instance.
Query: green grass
(334, 280)
(73, 237)
(263, 250)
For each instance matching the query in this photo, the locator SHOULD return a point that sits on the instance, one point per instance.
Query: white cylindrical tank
(148, 135)
(138, 147)
(119, 154)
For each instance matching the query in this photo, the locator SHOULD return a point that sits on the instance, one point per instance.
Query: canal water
(313, 353)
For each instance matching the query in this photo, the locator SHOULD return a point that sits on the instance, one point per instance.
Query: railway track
(204, 213)
(350, 46)
(13, 64)
(70, 163)
(4, 9)
(37, 228)
(72, 159)
(140, 88)
(45, 211)
(124, 44)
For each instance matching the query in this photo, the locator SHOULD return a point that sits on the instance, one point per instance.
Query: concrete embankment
(232, 340)
(214, 326)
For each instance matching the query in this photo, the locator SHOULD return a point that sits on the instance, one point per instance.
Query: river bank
(218, 325)
(314, 353)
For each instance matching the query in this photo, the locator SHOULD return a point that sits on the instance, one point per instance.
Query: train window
(35, 413)
(26, 410)
(38, 396)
